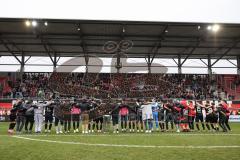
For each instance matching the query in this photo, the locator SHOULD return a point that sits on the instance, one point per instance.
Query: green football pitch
(124, 146)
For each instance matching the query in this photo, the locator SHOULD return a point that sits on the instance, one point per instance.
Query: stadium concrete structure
(86, 40)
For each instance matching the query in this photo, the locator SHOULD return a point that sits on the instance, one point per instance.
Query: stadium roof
(70, 38)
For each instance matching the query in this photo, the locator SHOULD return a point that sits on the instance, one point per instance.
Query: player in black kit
(140, 124)
(161, 117)
(29, 116)
(48, 118)
(209, 115)
(199, 116)
(169, 114)
(222, 117)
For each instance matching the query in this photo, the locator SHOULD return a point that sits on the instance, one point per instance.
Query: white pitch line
(125, 145)
(122, 135)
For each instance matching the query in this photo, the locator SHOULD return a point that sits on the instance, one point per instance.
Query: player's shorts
(176, 118)
(99, 120)
(115, 119)
(67, 117)
(184, 119)
(199, 118)
(215, 118)
(161, 116)
(48, 119)
(139, 117)
(124, 118)
(57, 120)
(132, 117)
(91, 116)
(222, 119)
(30, 118)
(13, 117)
(169, 117)
(85, 118)
(191, 118)
(209, 118)
(75, 117)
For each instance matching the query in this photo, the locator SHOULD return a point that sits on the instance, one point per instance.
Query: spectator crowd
(106, 85)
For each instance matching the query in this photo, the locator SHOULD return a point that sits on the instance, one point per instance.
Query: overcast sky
(212, 11)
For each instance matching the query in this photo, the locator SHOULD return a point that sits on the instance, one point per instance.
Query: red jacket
(192, 111)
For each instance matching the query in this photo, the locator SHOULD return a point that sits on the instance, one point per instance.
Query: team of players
(140, 116)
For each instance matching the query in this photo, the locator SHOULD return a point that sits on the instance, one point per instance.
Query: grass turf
(12, 148)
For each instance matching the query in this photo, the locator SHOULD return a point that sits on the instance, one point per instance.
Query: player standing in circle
(124, 111)
(224, 103)
(140, 124)
(115, 118)
(222, 117)
(66, 107)
(97, 114)
(99, 121)
(58, 113)
(85, 107)
(147, 116)
(191, 115)
(48, 118)
(29, 116)
(38, 115)
(215, 117)
(132, 118)
(13, 116)
(169, 114)
(155, 109)
(161, 117)
(75, 111)
(185, 116)
(209, 115)
(20, 115)
(96, 121)
(177, 109)
(199, 116)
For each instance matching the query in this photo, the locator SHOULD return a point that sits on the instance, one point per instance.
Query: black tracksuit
(49, 116)
(29, 115)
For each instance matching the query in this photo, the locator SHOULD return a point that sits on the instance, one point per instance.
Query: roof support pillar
(179, 64)
(209, 66)
(22, 67)
(238, 65)
(86, 61)
(55, 62)
(119, 64)
(149, 63)
(149, 59)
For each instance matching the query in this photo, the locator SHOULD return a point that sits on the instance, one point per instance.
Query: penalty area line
(124, 145)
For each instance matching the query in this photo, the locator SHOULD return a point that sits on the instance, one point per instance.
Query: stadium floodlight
(27, 23)
(123, 30)
(209, 27)
(34, 23)
(46, 23)
(215, 28)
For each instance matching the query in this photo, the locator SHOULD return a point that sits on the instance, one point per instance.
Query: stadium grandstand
(102, 84)
(101, 49)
